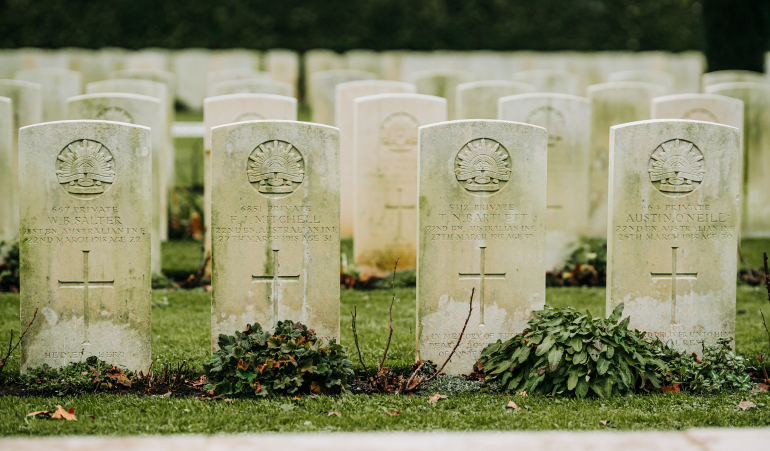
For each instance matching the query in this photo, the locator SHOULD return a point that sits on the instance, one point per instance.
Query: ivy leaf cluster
(290, 360)
(564, 352)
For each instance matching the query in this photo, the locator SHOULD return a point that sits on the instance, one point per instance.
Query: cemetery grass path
(181, 329)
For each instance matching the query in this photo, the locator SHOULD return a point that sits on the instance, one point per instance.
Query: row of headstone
(189, 66)
(482, 189)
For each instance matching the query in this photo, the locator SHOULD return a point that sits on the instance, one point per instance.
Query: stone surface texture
(482, 188)
(138, 110)
(568, 121)
(674, 223)
(478, 99)
(385, 173)
(283, 65)
(344, 118)
(611, 104)
(85, 243)
(322, 91)
(252, 86)
(228, 109)
(441, 83)
(275, 226)
(665, 79)
(219, 76)
(756, 154)
(700, 107)
(9, 194)
(732, 76)
(545, 80)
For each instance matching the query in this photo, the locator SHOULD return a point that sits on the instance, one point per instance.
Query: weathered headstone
(85, 243)
(322, 91)
(568, 121)
(159, 91)
(732, 76)
(283, 65)
(756, 154)
(674, 207)
(190, 67)
(611, 104)
(252, 86)
(221, 110)
(138, 110)
(441, 83)
(148, 59)
(95, 65)
(655, 77)
(219, 76)
(478, 99)
(9, 195)
(385, 176)
(275, 226)
(548, 80)
(482, 191)
(58, 85)
(344, 119)
(700, 107)
(27, 109)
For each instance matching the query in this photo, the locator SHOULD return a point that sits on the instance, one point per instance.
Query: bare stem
(390, 334)
(767, 277)
(11, 349)
(353, 316)
(178, 374)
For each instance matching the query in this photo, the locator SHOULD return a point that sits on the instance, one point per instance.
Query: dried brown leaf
(435, 398)
(339, 415)
(671, 388)
(62, 414)
(524, 393)
(397, 413)
(760, 388)
(513, 405)
(605, 422)
(743, 405)
(39, 412)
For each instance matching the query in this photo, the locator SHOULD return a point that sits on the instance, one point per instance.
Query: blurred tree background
(734, 34)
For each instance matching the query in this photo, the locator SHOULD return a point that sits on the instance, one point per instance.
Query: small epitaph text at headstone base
(482, 216)
(275, 226)
(674, 204)
(86, 217)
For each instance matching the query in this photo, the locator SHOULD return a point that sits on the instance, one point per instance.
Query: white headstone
(229, 109)
(85, 247)
(275, 235)
(568, 122)
(159, 91)
(9, 194)
(322, 91)
(441, 83)
(138, 110)
(58, 85)
(95, 65)
(700, 107)
(252, 86)
(549, 80)
(611, 104)
(756, 154)
(673, 232)
(190, 67)
(283, 66)
(482, 188)
(219, 76)
(152, 58)
(478, 99)
(732, 76)
(344, 118)
(385, 176)
(655, 77)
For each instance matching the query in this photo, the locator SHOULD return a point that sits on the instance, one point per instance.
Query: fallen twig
(390, 334)
(13, 348)
(353, 315)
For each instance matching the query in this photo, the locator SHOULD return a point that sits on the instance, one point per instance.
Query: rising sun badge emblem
(85, 168)
(676, 167)
(275, 167)
(481, 166)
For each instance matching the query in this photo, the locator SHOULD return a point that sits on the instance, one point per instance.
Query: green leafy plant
(76, 378)
(719, 369)
(290, 360)
(564, 352)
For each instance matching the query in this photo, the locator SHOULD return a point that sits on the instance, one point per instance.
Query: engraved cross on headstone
(85, 285)
(400, 207)
(482, 275)
(674, 275)
(275, 279)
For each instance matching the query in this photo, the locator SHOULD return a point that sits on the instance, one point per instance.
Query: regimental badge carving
(551, 119)
(115, 114)
(700, 114)
(85, 168)
(250, 116)
(398, 133)
(676, 167)
(275, 167)
(481, 166)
